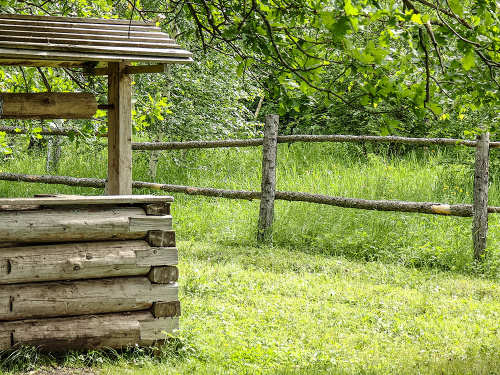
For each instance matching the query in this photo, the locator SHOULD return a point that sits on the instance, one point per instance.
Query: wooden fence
(479, 210)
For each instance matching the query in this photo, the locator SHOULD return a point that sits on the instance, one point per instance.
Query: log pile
(87, 272)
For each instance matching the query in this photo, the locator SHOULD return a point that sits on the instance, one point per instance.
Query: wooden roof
(79, 42)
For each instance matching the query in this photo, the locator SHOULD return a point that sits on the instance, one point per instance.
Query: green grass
(342, 291)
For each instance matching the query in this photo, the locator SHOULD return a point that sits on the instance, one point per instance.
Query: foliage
(441, 58)
(204, 100)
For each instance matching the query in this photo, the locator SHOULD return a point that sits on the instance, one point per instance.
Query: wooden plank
(269, 155)
(480, 198)
(162, 208)
(43, 63)
(121, 50)
(14, 28)
(56, 39)
(84, 20)
(75, 225)
(74, 33)
(74, 261)
(161, 238)
(163, 275)
(139, 69)
(26, 207)
(158, 256)
(119, 131)
(115, 331)
(164, 309)
(47, 105)
(146, 223)
(156, 329)
(58, 199)
(5, 340)
(39, 56)
(82, 25)
(82, 297)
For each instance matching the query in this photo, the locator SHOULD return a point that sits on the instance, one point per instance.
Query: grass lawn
(342, 291)
(275, 310)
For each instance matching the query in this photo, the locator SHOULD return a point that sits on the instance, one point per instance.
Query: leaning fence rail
(460, 210)
(479, 210)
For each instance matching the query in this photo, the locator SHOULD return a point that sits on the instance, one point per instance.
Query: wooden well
(87, 272)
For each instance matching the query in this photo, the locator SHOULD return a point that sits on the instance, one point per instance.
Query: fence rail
(478, 210)
(460, 210)
(258, 141)
(307, 138)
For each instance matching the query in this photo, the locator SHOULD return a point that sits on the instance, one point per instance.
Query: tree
(439, 58)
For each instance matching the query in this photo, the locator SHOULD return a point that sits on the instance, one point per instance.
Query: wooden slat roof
(63, 41)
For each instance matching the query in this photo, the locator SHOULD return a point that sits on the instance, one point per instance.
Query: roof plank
(55, 39)
(107, 21)
(72, 42)
(99, 49)
(82, 33)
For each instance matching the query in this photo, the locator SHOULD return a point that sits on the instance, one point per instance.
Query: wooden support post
(269, 155)
(480, 200)
(119, 130)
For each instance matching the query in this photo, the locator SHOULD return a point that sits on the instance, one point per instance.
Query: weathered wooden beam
(480, 197)
(82, 297)
(268, 186)
(119, 130)
(47, 105)
(161, 238)
(146, 223)
(433, 208)
(162, 208)
(136, 69)
(81, 224)
(115, 331)
(306, 138)
(88, 260)
(163, 274)
(158, 256)
(165, 309)
(42, 63)
(74, 200)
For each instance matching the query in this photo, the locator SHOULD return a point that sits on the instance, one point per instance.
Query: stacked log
(87, 273)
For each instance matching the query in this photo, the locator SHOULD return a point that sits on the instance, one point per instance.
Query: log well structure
(87, 272)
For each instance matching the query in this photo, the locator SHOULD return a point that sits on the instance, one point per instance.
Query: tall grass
(443, 175)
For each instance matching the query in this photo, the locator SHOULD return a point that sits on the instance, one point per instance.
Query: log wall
(87, 272)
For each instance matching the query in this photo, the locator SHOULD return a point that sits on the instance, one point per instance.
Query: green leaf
(350, 10)
(435, 108)
(468, 60)
(417, 18)
(239, 69)
(342, 26)
(456, 7)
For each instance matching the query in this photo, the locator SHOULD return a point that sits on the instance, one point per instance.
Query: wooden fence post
(480, 199)
(268, 189)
